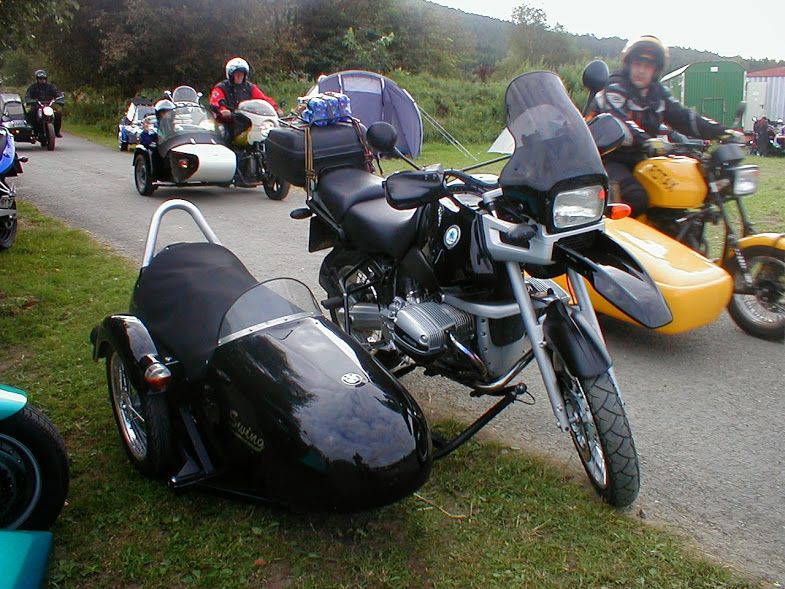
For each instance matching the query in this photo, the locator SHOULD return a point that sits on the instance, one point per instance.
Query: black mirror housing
(382, 137)
(595, 75)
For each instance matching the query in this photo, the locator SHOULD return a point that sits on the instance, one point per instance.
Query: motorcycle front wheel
(143, 178)
(8, 231)
(50, 131)
(601, 434)
(142, 420)
(34, 473)
(761, 314)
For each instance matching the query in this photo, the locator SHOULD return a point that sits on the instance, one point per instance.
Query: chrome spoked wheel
(761, 314)
(127, 404)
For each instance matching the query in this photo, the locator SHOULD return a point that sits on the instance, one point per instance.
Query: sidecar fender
(620, 279)
(130, 338)
(11, 401)
(775, 240)
(576, 341)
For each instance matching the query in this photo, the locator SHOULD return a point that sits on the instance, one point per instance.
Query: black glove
(654, 147)
(732, 136)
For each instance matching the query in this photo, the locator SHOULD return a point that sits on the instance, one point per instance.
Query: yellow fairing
(695, 289)
(672, 182)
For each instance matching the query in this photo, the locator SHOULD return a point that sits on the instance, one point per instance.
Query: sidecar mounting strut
(443, 447)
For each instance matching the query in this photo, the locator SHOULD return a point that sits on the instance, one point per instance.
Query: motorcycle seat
(342, 188)
(182, 296)
(374, 226)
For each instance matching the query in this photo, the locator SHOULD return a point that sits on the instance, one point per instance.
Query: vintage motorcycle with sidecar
(219, 381)
(443, 270)
(690, 190)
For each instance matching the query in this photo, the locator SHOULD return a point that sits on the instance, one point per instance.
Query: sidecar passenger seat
(182, 296)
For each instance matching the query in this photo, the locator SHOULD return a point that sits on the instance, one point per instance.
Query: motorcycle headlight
(578, 206)
(49, 111)
(745, 180)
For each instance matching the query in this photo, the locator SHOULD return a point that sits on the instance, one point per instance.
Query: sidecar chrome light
(578, 206)
(745, 180)
(49, 111)
(157, 376)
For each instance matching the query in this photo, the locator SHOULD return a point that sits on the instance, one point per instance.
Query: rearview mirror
(595, 75)
(382, 136)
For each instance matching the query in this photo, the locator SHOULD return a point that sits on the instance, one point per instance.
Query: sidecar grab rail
(155, 225)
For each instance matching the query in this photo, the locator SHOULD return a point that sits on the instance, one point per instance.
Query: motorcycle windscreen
(620, 279)
(268, 303)
(552, 141)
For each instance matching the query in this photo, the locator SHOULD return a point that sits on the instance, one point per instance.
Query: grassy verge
(489, 516)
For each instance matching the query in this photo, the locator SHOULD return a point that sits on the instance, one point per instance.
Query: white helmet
(234, 64)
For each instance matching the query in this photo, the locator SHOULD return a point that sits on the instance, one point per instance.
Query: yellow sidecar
(695, 289)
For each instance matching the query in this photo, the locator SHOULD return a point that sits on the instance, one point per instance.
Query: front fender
(129, 337)
(775, 240)
(578, 344)
(620, 279)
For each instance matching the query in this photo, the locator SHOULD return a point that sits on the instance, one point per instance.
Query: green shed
(713, 88)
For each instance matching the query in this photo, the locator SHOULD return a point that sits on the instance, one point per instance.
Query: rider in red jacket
(233, 90)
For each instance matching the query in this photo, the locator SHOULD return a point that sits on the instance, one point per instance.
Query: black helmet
(40, 74)
(647, 48)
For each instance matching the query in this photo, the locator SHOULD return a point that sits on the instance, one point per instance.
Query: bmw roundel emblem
(352, 379)
(452, 236)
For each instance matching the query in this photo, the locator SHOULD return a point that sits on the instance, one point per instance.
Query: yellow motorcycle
(690, 189)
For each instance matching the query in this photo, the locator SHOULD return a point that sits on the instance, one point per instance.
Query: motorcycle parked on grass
(219, 381)
(692, 188)
(44, 125)
(442, 270)
(34, 472)
(10, 166)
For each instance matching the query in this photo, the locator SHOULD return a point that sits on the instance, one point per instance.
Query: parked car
(130, 126)
(12, 117)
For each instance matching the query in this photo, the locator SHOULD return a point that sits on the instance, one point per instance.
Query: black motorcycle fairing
(128, 337)
(579, 345)
(322, 426)
(182, 296)
(618, 277)
(341, 189)
(374, 226)
(552, 141)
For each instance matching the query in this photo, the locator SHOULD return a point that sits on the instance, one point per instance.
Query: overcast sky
(749, 28)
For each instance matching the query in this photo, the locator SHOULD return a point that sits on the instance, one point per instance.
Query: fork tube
(537, 339)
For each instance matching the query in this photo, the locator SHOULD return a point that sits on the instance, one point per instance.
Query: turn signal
(157, 376)
(618, 210)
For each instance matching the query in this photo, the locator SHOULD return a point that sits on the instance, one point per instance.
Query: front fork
(535, 331)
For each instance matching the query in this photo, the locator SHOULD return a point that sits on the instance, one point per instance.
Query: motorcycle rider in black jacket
(635, 97)
(42, 90)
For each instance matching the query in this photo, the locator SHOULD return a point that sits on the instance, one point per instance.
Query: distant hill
(491, 42)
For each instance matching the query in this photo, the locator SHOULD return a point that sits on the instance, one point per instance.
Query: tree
(533, 39)
(18, 17)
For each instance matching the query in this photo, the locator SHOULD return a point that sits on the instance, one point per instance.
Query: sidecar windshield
(186, 119)
(552, 141)
(267, 304)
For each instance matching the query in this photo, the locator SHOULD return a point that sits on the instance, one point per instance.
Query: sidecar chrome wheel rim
(20, 482)
(128, 408)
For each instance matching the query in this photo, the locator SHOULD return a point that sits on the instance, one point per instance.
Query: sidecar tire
(605, 436)
(50, 130)
(8, 233)
(143, 177)
(276, 189)
(34, 472)
(142, 420)
(755, 316)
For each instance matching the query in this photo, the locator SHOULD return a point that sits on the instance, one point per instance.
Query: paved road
(705, 407)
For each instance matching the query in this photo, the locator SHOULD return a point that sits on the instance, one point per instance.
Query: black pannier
(334, 146)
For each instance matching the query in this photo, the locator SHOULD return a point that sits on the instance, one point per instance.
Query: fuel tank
(315, 422)
(673, 182)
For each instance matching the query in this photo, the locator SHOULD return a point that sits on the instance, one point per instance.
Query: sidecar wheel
(276, 189)
(34, 473)
(142, 420)
(761, 314)
(8, 232)
(143, 177)
(601, 434)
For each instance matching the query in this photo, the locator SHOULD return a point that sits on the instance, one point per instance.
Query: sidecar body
(265, 398)
(695, 289)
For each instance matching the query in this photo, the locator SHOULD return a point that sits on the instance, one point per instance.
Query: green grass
(488, 517)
